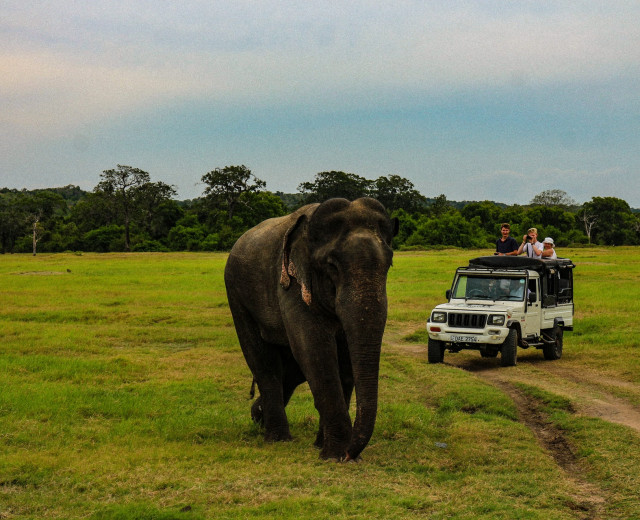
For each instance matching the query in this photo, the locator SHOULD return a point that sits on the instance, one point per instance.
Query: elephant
(307, 293)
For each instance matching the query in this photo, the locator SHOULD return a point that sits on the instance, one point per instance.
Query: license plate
(464, 339)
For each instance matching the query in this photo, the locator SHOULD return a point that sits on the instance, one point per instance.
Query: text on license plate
(464, 339)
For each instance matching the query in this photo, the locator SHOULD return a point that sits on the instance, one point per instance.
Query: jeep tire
(553, 351)
(435, 351)
(509, 349)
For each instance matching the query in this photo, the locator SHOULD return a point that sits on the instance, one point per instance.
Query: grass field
(124, 395)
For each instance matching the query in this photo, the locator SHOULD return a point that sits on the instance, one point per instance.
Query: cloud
(68, 63)
(452, 94)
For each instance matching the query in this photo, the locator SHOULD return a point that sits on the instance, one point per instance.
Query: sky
(476, 100)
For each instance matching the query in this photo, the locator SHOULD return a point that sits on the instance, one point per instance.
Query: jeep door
(532, 316)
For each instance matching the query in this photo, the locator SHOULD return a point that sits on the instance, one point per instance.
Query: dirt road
(592, 394)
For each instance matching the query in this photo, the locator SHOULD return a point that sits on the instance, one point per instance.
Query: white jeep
(500, 303)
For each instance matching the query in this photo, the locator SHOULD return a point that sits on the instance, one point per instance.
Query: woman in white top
(549, 252)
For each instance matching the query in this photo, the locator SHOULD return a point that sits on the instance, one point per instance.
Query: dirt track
(591, 394)
(589, 391)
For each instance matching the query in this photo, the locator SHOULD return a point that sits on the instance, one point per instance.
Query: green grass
(123, 394)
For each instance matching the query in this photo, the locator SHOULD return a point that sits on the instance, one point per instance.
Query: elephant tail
(252, 392)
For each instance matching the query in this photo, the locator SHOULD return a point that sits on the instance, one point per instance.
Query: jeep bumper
(490, 335)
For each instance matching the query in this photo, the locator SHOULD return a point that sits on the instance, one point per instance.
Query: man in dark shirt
(506, 245)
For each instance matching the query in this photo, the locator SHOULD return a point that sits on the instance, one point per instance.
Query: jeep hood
(474, 307)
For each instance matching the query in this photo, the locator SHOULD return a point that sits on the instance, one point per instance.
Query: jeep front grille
(469, 321)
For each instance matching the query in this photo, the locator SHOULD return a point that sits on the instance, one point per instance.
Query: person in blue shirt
(506, 245)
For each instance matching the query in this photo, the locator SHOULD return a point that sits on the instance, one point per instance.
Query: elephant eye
(332, 269)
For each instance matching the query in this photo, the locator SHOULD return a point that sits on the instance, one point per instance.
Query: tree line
(126, 211)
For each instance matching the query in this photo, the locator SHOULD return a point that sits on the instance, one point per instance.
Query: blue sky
(474, 100)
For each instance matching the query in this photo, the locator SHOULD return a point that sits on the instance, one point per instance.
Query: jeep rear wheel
(553, 350)
(435, 351)
(509, 350)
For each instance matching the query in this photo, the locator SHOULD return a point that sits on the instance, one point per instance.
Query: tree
(256, 207)
(225, 187)
(328, 185)
(589, 220)
(11, 221)
(120, 186)
(553, 198)
(449, 229)
(37, 232)
(490, 215)
(440, 206)
(615, 221)
(157, 213)
(396, 192)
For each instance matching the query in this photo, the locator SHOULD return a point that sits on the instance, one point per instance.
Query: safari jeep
(500, 303)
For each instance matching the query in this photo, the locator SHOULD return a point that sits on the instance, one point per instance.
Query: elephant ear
(295, 258)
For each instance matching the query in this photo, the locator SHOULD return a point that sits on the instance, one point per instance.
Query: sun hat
(548, 240)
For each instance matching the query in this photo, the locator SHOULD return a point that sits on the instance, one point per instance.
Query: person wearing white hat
(549, 252)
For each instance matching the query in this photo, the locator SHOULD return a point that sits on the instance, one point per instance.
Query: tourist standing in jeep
(506, 245)
(530, 245)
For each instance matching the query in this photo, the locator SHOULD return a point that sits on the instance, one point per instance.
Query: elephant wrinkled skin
(308, 297)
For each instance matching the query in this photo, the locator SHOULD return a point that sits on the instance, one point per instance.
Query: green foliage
(397, 193)
(490, 214)
(104, 239)
(450, 229)
(234, 200)
(553, 198)
(226, 186)
(183, 238)
(327, 185)
(615, 223)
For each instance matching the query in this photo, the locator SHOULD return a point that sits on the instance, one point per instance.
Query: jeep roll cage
(556, 275)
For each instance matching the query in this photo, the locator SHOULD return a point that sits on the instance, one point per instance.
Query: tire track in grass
(586, 390)
(588, 500)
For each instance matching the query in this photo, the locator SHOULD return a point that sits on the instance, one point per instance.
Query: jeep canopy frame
(556, 275)
(520, 262)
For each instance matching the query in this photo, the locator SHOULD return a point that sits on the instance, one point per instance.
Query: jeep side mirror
(448, 294)
(532, 298)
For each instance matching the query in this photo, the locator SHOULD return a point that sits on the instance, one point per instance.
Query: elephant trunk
(364, 337)
(366, 385)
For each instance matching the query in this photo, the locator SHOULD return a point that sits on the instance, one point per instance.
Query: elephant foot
(277, 436)
(257, 412)
(347, 458)
(337, 453)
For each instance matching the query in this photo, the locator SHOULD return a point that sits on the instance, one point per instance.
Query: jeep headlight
(496, 319)
(439, 317)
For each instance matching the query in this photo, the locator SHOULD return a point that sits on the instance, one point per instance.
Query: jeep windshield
(496, 288)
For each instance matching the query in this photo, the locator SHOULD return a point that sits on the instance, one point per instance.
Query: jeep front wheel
(435, 351)
(509, 349)
(553, 351)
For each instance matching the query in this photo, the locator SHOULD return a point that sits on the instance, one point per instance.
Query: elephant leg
(265, 363)
(322, 372)
(257, 415)
(292, 377)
